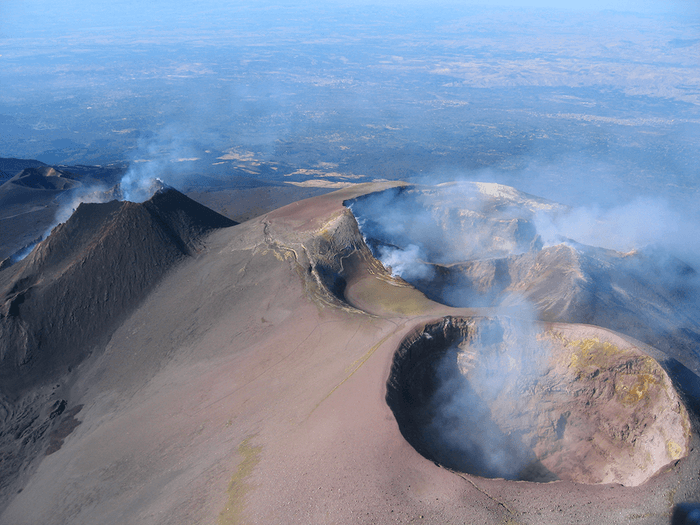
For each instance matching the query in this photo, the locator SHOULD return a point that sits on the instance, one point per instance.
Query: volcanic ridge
(161, 364)
(67, 296)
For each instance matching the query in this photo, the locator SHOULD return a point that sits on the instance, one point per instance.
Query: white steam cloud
(480, 413)
(69, 203)
(448, 224)
(633, 225)
(412, 229)
(406, 263)
(475, 244)
(161, 160)
(81, 194)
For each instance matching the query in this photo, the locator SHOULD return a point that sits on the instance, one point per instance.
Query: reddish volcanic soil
(243, 379)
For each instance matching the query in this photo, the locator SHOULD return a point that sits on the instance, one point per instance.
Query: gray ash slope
(90, 272)
(9, 167)
(170, 407)
(34, 183)
(34, 197)
(29, 201)
(60, 304)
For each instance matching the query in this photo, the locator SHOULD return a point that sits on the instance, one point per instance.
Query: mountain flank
(9, 167)
(239, 375)
(75, 286)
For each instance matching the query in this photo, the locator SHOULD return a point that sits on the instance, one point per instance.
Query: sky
(366, 91)
(20, 17)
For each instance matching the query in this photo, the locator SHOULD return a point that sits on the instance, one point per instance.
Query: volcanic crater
(497, 397)
(514, 395)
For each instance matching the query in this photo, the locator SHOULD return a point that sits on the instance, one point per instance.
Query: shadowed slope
(34, 186)
(65, 299)
(70, 292)
(43, 178)
(9, 167)
(28, 204)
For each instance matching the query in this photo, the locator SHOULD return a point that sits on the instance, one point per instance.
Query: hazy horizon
(519, 92)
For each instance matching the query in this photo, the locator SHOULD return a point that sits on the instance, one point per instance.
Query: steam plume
(466, 243)
(482, 386)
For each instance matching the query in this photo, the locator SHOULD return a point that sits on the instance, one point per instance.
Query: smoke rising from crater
(411, 230)
(161, 160)
(165, 157)
(479, 407)
(471, 244)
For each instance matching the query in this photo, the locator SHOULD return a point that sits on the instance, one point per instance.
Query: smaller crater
(501, 398)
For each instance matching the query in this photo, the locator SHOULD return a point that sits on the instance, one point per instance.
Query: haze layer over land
(539, 96)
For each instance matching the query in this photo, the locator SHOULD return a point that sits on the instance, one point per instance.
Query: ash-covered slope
(242, 391)
(76, 285)
(29, 201)
(43, 178)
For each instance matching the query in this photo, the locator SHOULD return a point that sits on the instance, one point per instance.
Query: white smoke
(629, 226)
(164, 158)
(483, 390)
(407, 263)
(137, 184)
(87, 194)
(448, 224)
(68, 204)
(156, 160)
(480, 410)
(408, 228)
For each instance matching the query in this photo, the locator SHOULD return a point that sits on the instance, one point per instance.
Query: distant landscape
(336, 262)
(343, 95)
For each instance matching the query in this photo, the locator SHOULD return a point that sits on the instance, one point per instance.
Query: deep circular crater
(498, 397)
